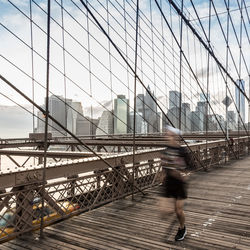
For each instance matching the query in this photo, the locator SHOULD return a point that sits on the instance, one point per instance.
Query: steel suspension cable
(104, 20)
(246, 11)
(83, 66)
(64, 65)
(54, 65)
(227, 50)
(46, 117)
(90, 71)
(120, 53)
(241, 13)
(135, 80)
(237, 39)
(216, 61)
(191, 67)
(203, 43)
(101, 17)
(32, 63)
(219, 21)
(180, 68)
(238, 71)
(109, 53)
(208, 68)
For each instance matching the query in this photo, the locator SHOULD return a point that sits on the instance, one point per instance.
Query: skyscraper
(58, 110)
(231, 120)
(106, 124)
(86, 126)
(69, 114)
(141, 125)
(140, 105)
(174, 99)
(173, 115)
(74, 115)
(240, 100)
(151, 113)
(196, 118)
(121, 112)
(185, 117)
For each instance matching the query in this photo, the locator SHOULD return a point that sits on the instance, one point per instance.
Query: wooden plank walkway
(217, 217)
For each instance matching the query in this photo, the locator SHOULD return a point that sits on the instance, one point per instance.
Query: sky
(90, 66)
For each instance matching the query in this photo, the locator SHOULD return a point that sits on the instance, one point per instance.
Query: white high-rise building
(121, 112)
(106, 124)
(240, 100)
(174, 99)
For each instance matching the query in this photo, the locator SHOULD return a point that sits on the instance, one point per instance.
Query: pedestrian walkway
(217, 217)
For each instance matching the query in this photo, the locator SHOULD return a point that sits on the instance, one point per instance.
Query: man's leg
(181, 217)
(166, 206)
(180, 213)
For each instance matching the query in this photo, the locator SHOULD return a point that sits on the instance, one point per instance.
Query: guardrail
(79, 185)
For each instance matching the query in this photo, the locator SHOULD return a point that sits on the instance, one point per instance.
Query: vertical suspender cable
(208, 68)
(153, 60)
(186, 60)
(126, 49)
(132, 69)
(136, 46)
(64, 69)
(110, 62)
(187, 119)
(32, 70)
(241, 80)
(227, 51)
(46, 116)
(172, 39)
(32, 65)
(164, 62)
(142, 77)
(180, 67)
(90, 73)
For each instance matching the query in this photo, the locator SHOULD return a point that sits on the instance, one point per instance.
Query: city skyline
(120, 120)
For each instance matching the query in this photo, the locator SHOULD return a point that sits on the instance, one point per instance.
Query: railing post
(151, 165)
(71, 192)
(40, 159)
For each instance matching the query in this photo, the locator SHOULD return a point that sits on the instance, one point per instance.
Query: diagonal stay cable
(100, 44)
(232, 23)
(205, 45)
(236, 36)
(245, 7)
(225, 80)
(66, 130)
(132, 69)
(65, 50)
(191, 69)
(240, 8)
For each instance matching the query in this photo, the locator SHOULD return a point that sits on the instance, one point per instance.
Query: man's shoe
(181, 234)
